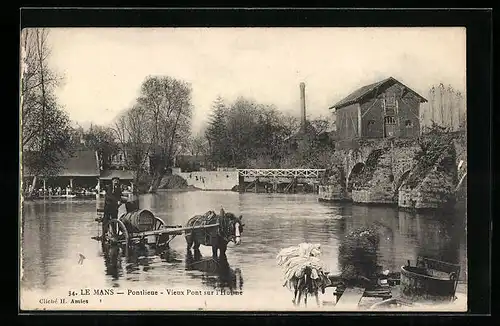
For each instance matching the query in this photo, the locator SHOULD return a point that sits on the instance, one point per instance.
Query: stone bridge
(397, 171)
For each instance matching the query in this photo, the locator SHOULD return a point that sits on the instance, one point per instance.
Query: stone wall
(384, 183)
(403, 160)
(333, 192)
(210, 180)
(436, 189)
(377, 186)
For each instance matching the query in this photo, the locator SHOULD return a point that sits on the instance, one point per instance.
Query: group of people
(60, 191)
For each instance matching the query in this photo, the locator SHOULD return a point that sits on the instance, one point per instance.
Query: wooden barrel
(139, 220)
(417, 284)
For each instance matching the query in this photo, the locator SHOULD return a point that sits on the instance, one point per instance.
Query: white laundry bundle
(301, 261)
(302, 250)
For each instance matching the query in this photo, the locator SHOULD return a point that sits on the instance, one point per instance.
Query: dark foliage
(358, 253)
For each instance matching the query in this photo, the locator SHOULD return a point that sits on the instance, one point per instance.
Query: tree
(102, 140)
(445, 108)
(322, 124)
(217, 134)
(242, 120)
(134, 138)
(198, 146)
(167, 104)
(46, 131)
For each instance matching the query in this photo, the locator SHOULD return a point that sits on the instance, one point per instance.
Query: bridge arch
(354, 176)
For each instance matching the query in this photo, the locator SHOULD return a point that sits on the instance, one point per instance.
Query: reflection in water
(216, 273)
(406, 235)
(439, 237)
(55, 232)
(113, 261)
(141, 259)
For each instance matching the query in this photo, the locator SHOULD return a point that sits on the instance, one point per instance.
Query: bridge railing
(282, 173)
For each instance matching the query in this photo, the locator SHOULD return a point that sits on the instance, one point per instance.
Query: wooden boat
(429, 280)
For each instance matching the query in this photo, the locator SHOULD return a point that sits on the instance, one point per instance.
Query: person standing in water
(112, 200)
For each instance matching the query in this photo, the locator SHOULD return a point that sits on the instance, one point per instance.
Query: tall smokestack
(303, 105)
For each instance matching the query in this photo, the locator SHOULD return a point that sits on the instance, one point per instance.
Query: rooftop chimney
(303, 106)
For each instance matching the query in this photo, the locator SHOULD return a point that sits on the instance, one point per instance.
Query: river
(55, 233)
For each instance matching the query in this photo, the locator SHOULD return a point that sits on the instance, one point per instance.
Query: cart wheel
(116, 234)
(158, 223)
(162, 238)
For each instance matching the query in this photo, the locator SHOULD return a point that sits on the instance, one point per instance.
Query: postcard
(243, 169)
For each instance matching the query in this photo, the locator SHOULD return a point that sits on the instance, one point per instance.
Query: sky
(103, 68)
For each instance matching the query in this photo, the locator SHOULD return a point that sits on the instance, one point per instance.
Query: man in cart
(112, 200)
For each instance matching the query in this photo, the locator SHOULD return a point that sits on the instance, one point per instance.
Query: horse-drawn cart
(141, 227)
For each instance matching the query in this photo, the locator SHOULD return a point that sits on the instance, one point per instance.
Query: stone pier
(411, 173)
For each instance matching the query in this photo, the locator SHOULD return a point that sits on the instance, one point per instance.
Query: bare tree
(167, 102)
(134, 138)
(450, 106)
(447, 102)
(441, 103)
(45, 126)
(101, 139)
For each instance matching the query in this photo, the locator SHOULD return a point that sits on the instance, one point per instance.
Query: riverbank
(209, 180)
(186, 189)
(459, 304)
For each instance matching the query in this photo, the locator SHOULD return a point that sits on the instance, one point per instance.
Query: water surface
(55, 233)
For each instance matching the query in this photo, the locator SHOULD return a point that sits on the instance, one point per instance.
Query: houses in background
(186, 162)
(127, 153)
(80, 171)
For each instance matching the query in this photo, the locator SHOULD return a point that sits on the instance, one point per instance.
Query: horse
(230, 229)
(304, 286)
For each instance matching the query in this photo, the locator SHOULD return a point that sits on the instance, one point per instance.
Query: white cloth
(294, 261)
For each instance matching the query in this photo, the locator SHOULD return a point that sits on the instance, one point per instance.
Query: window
(390, 120)
(370, 125)
(389, 104)
(390, 100)
(408, 124)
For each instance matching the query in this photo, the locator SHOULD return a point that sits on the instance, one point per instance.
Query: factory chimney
(303, 106)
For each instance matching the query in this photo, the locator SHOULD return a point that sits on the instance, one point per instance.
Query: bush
(173, 182)
(358, 253)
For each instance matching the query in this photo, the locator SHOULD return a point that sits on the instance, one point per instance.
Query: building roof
(360, 93)
(82, 163)
(122, 174)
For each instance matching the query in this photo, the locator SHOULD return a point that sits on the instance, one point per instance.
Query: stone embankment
(210, 180)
